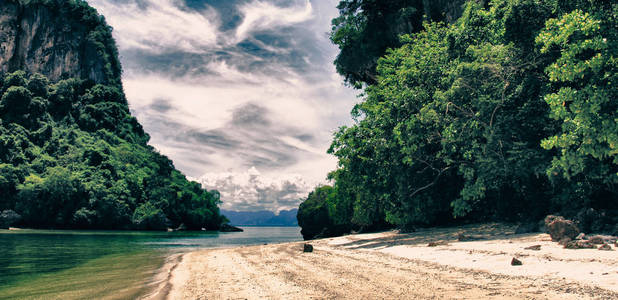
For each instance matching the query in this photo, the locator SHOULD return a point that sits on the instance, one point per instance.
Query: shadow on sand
(472, 232)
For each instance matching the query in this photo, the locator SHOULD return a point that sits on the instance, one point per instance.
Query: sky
(241, 94)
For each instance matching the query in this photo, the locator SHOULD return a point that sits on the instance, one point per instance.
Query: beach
(391, 265)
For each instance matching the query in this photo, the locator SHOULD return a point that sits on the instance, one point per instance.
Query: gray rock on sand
(534, 248)
(579, 244)
(516, 262)
(606, 247)
(307, 248)
(560, 228)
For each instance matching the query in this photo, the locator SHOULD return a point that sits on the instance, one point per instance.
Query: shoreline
(162, 278)
(393, 265)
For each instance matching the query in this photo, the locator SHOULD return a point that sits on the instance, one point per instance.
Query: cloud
(160, 25)
(226, 86)
(251, 191)
(259, 15)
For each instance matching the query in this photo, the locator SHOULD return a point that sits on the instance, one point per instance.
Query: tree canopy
(509, 113)
(366, 29)
(72, 156)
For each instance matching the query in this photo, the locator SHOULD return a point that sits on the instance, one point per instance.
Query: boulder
(560, 228)
(606, 247)
(307, 248)
(516, 262)
(579, 244)
(8, 218)
(229, 228)
(534, 248)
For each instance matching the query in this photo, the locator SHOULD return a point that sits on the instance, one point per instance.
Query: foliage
(365, 29)
(583, 96)
(508, 113)
(72, 156)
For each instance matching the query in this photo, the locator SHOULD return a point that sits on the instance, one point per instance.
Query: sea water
(59, 264)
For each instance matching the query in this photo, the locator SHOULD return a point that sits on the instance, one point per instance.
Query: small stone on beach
(307, 248)
(579, 244)
(516, 262)
(534, 248)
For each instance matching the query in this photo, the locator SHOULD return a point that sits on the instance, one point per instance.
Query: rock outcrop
(559, 228)
(229, 228)
(57, 40)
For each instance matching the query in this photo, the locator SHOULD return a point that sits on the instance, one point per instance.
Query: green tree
(583, 99)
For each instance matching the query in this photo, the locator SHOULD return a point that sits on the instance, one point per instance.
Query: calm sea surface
(57, 264)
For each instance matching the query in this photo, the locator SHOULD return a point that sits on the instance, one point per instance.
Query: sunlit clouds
(241, 95)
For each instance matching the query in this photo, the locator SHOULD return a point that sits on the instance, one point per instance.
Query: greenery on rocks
(509, 113)
(72, 156)
(365, 29)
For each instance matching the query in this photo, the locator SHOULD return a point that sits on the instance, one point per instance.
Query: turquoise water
(55, 264)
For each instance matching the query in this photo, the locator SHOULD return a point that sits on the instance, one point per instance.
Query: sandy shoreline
(389, 265)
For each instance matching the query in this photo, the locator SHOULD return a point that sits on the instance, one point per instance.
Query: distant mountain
(262, 218)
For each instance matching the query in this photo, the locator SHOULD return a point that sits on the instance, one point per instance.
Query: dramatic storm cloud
(241, 95)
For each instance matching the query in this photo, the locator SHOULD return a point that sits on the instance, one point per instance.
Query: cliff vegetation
(71, 154)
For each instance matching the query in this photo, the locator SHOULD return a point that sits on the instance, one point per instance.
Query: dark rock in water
(606, 247)
(560, 228)
(527, 228)
(307, 248)
(596, 239)
(534, 248)
(516, 262)
(8, 218)
(229, 228)
(438, 243)
(579, 244)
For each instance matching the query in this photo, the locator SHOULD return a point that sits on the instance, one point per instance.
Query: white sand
(394, 266)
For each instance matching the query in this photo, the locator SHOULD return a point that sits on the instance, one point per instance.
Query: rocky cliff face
(57, 39)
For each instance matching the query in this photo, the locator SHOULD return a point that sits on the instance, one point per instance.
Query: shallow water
(58, 264)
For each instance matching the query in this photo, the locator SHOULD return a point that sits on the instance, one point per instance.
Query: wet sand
(390, 265)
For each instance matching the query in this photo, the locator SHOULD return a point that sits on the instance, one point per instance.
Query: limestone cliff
(57, 38)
